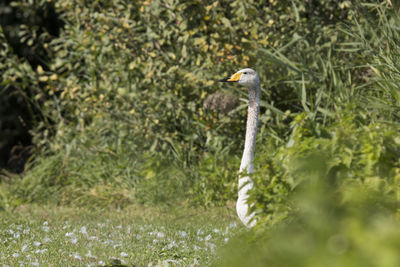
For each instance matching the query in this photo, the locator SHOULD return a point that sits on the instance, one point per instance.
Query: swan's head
(246, 77)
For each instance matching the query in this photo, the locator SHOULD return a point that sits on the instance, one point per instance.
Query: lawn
(61, 236)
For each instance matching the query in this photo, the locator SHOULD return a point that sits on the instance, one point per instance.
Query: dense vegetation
(117, 108)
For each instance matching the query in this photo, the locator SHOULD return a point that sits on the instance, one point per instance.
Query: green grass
(136, 236)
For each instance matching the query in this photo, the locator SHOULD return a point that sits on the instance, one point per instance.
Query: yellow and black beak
(234, 78)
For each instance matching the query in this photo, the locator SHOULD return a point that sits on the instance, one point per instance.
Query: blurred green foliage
(330, 226)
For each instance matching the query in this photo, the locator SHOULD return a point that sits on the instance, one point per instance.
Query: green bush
(352, 151)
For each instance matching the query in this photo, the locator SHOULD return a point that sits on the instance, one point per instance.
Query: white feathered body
(246, 166)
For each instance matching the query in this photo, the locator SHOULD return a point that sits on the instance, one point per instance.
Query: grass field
(59, 236)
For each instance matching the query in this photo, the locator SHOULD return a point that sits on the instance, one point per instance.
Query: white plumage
(250, 79)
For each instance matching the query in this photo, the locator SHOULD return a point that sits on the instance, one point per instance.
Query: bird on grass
(249, 79)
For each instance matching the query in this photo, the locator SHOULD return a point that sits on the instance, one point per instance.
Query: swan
(248, 78)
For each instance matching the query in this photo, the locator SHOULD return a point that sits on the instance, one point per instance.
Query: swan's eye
(245, 73)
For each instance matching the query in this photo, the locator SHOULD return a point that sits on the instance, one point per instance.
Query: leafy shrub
(351, 151)
(25, 32)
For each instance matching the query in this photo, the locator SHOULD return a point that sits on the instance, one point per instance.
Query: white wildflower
(24, 248)
(68, 234)
(117, 245)
(212, 246)
(15, 255)
(183, 234)
(160, 235)
(101, 263)
(45, 228)
(138, 237)
(46, 240)
(108, 242)
(83, 230)
(90, 255)
(172, 245)
(40, 251)
(36, 243)
(233, 225)
(123, 254)
(208, 237)
(200, 232)
(74, 240)
(77, 256)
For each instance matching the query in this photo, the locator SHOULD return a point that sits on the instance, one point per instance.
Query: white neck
(246, 166)
(251, 131)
